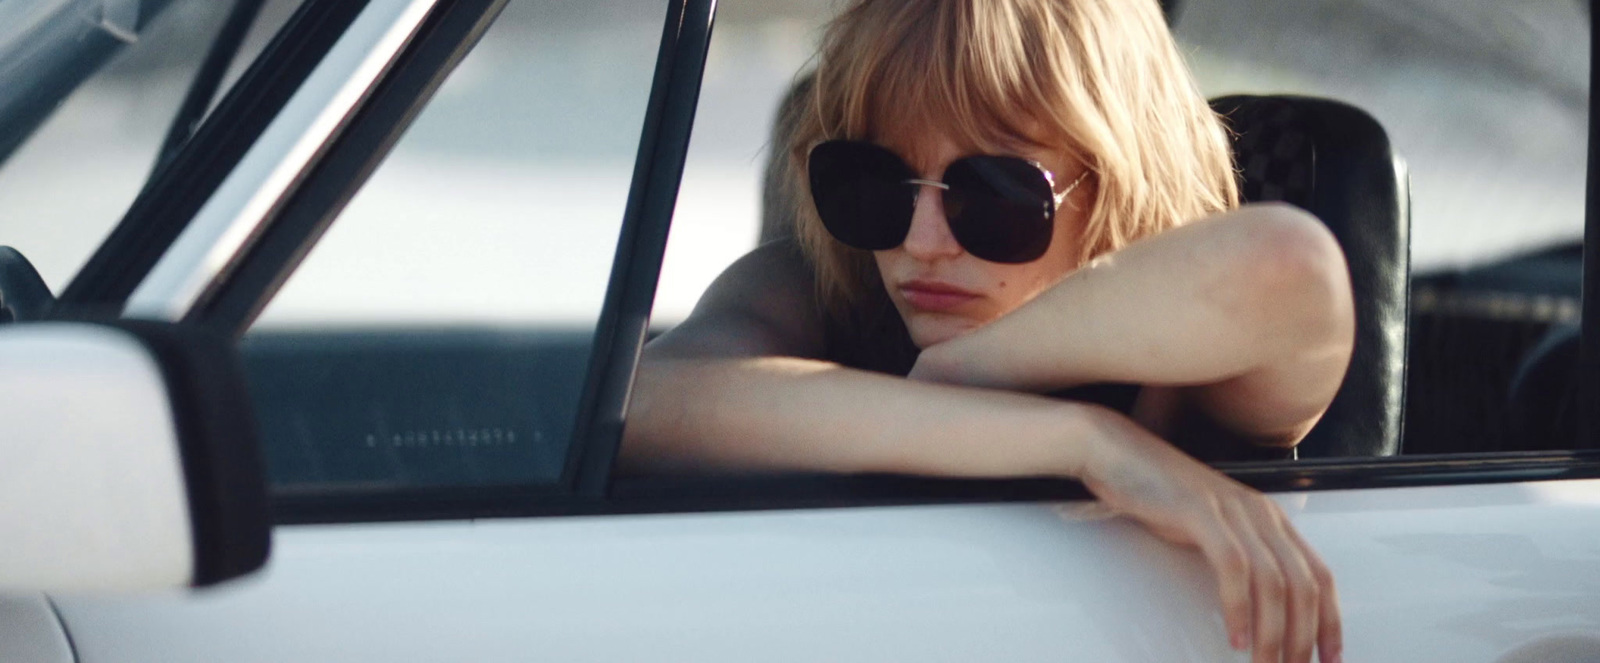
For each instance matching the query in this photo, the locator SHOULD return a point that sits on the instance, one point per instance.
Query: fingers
(1269, 589)
(1228, 559)
(1303, 593)
(1330, 624)
(1277, 594)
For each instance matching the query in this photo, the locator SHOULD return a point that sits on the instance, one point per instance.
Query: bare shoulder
(764, 304)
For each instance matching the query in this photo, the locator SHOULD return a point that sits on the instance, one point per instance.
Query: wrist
(1072, 440)
(1107, 437)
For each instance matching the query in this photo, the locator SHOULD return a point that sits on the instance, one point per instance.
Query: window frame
(588, 486)
(1589, 341)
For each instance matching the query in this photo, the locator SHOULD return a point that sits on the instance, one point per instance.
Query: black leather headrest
(1335, 161)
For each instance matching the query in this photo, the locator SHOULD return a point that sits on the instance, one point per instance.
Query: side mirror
(128, 459)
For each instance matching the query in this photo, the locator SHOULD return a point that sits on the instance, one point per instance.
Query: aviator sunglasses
(1000, 209)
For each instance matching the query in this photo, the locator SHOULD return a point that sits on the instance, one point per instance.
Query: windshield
(92, 88)
(49, 47)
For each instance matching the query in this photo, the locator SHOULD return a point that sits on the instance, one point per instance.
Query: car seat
(1333, 160)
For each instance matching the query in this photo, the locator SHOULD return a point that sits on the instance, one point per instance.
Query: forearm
(776, 413)
(1251, 311)
(1199, 304)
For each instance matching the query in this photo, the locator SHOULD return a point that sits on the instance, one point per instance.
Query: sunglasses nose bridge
(929, 235)
(920, 183)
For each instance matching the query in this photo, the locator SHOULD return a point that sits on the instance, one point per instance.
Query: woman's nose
(929, 237)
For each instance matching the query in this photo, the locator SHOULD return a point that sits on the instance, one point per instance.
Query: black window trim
(208, 78)
(588, 487)
(766, 492)
(1589, 342)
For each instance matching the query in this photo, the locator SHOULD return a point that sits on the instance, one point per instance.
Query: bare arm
(737, 385)
(1246, 316)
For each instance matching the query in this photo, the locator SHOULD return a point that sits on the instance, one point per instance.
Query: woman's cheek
(1009, 294)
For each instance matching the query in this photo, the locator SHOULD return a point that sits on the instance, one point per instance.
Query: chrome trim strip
(236, 213)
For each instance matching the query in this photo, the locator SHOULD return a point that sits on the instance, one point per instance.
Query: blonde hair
(1101, 78)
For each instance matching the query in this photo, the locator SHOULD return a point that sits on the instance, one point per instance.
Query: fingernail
(1240, 640)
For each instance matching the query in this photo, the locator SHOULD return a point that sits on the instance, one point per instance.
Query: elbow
(1295, 278)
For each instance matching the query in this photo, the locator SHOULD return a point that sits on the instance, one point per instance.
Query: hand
(1277, 595)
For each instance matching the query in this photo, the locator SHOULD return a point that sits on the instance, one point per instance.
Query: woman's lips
(934, 296)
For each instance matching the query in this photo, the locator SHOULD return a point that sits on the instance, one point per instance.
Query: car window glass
(755, 53)
(64, 189)
(1485, 103)
(438, 334)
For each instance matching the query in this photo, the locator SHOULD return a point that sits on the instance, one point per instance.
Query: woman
(1002, 199)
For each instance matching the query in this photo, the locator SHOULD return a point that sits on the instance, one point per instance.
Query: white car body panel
(30, 632)
(1460, 573)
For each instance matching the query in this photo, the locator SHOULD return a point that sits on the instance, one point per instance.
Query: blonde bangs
(937, 74)
(1099, 80)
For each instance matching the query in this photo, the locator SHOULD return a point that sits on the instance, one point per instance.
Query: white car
(441, 258)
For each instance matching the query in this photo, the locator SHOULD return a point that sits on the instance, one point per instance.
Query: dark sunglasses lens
(861, 194)
(1001, 209)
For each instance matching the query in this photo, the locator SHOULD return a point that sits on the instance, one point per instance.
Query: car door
(443, 395)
